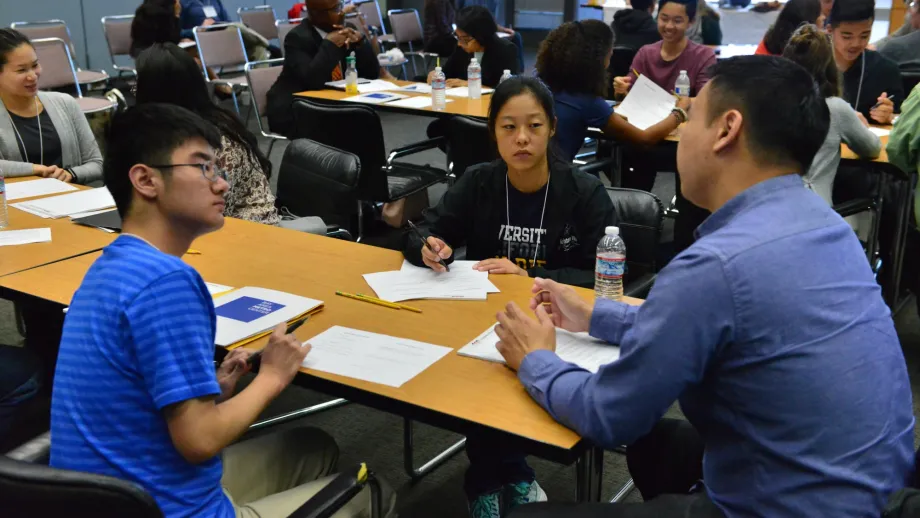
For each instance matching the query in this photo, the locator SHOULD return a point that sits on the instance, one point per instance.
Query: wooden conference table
(456, 393)
(67, 239)
(478, 108)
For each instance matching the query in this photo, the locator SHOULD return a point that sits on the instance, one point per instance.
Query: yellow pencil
(401, 306)
(362, 299)
(192, 251)
(636, 72)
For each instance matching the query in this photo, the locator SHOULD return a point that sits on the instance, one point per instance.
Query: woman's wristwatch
(680, 114)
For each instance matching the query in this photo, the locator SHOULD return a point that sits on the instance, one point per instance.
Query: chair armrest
(597, 166)
(341, 490)
(412, 149)
(640, 286)
(339, 233)
(849, 208)
(35, 451)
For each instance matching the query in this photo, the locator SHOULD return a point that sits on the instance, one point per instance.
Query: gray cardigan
(78, 144)
(846, 128)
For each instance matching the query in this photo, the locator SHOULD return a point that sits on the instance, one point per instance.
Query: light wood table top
(456, 387)
(845, 151)
(67, 239)
(478, 108)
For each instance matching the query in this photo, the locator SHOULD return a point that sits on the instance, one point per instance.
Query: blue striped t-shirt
(139, 336)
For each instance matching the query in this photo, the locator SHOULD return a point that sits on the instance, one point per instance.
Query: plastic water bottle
(4, 217)
(438, 89)
(474, 79)
(351, 76)
(505, 75)
(611, 265)
(682, 86)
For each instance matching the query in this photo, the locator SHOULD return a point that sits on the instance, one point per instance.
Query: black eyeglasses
(208, 170)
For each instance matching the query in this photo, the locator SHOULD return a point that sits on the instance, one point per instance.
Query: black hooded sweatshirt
(634, 28)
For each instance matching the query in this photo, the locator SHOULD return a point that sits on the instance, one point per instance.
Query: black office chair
(910, 79)
(640, 217)
(620, 63)
(318, 180)
(468, 144)
(357, 129)
(29, 488)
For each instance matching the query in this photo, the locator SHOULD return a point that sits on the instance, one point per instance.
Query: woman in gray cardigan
(41, 133)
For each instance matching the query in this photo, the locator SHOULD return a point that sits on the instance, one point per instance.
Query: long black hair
(478, 22)
(167, 74)
(794, 14)
(10, 40)
(571, 58)
(519, 85)
(155, 21)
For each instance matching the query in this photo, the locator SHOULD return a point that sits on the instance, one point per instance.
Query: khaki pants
(273, 475)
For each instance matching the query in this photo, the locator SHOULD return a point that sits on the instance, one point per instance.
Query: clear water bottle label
(610, 268)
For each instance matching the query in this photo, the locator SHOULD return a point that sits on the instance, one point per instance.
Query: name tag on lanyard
(210, 11)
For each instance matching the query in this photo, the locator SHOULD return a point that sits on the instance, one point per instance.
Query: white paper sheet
(578, 348)
(375, 98)
(32, 188)
(371, 357)
(67, 204)
(24, 237)
(457, 268)
(881, 132)
(646, 104)
(411, 282)
(376, 85)
(419, 88)
(216, 289)
(419, 101)
(462, 91)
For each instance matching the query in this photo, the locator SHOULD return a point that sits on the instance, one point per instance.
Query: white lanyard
(41, 139)
(508, 217)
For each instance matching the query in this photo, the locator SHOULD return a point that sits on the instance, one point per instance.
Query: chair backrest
(469, 144)
(220, 45)
(405, 24)
(46, 29)
(284, 27)
(117, 31)
(353, 128)
(261, 19)
(620, 61)
(319, 180)
(261, 75)
(640, 216)
(28, 489)
(371, 11)
(57, 65)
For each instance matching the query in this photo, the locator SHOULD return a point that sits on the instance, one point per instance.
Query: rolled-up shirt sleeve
(665, 346)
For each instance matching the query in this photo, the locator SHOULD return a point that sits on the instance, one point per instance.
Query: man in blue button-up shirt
(770, 331)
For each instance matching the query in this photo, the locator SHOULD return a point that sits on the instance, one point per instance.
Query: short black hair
(10, 40)
(690, 5)
(851, 11)
(148, 134)
(643, 5)
(477, 21)
(785, 116)
(571, 58)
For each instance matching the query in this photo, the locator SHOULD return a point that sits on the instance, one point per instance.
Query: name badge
(210, 11)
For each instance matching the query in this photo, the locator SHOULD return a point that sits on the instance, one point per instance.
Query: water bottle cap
(507, 71)
(473, 61)
(437, 69)
(683, 72)
(612, 231)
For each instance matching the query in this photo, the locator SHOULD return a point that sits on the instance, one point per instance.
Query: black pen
(255, 357)
(878, 104)
(425, 242)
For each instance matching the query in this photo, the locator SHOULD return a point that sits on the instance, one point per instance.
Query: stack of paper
(418, 88)
(376, 85)
(24, 237)
(249, 313)
(646, 104)
(462, 91)
(32, 188)
(375, 98)
(68, 204)
(578, 348)
(370, 356)
(462, 282)
(418, 101)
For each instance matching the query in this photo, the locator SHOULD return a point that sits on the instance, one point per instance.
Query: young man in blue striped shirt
(770, 331)
(136, 395)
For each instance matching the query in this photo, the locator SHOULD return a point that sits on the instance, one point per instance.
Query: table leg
(431, 465)
(589, 475)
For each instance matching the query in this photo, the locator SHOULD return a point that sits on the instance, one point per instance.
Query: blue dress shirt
(772, 333)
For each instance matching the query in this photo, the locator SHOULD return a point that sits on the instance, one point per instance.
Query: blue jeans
(20, 381)
(494, 462)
